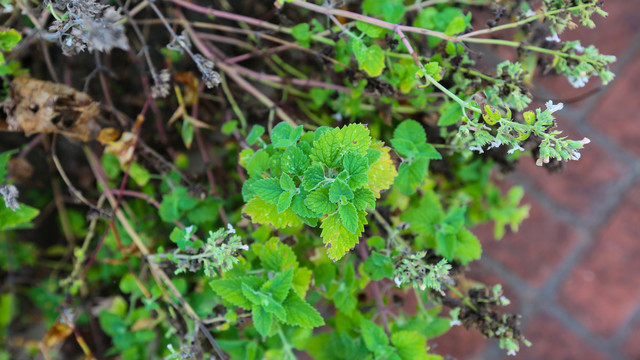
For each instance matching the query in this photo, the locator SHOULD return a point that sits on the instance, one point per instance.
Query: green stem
(526, 47)
(288, 349)
(234, 104)
(521, 22)
(464, 298)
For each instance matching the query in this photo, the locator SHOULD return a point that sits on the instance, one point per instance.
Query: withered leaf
(36, 106)
(56, 334)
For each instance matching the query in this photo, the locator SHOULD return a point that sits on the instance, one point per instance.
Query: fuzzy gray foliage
(88, 25)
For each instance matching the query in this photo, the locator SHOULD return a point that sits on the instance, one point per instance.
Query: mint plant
(269, 181)
(329, 176)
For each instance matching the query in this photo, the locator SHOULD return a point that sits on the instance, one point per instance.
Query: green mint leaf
(229, 127)
(231, 289)
(299, 207)
(451, 115)
(284, 201)
(139, 174)
(206, 212)
(9, 39)
(410, 345)
(373, 335)
(313, 176)
(262, 320)
(258, 163)
(355, 137)
(254, 296)
(446, 243)
(364, 197)
(468, 247)
(410, 130)
(337, 239)
(182, 238)
(378, 266)
(174, 205)
(301, 281)
(301, 33)
(318, 201)
(327, 149)
(404, 148)
(373, 155)
(372, 31)
(349, 217)
(391, 11)
(294, 161)
(338, 190)
(356, 165)
(280, 135)
(275, 308)
(370, 59)
(456, 26)
(300, 313)
(454, 220)
(268, 189)
(376, 242)
(330, 147)
(296, 134)
(262, 212)
(411, 175)
(254, 134)
(268, 303)
(286, 183)
(433, 69)
(18, 219)
(275, 256)
(426, 215)
(429, 151)
(279, 286)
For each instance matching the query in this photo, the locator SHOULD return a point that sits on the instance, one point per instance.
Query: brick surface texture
(573, 269)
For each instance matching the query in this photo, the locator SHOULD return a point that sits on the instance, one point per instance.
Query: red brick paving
(552, 340)
(617, 114)
(574, 267)
(534, 252)
(603, 290)
(631, 347)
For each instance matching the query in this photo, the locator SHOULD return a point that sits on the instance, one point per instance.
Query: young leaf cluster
(329, 176)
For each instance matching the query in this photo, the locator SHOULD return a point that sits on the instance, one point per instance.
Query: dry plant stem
(226, 15)
(367, 19)
(160, 276)
(232, 72)
(106, 90)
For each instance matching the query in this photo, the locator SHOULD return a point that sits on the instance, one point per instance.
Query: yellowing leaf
(261, 212)
(370, 59)
(382, 172)
(337, 239)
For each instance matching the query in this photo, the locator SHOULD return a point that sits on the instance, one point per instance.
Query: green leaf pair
(443, 231)
(410, 142)
(270, 301)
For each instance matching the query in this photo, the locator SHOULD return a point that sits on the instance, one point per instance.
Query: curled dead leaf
(123, 148)
(57, 333)
(36, 106)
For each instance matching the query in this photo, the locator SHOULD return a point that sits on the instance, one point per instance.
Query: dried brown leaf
(36, 106)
